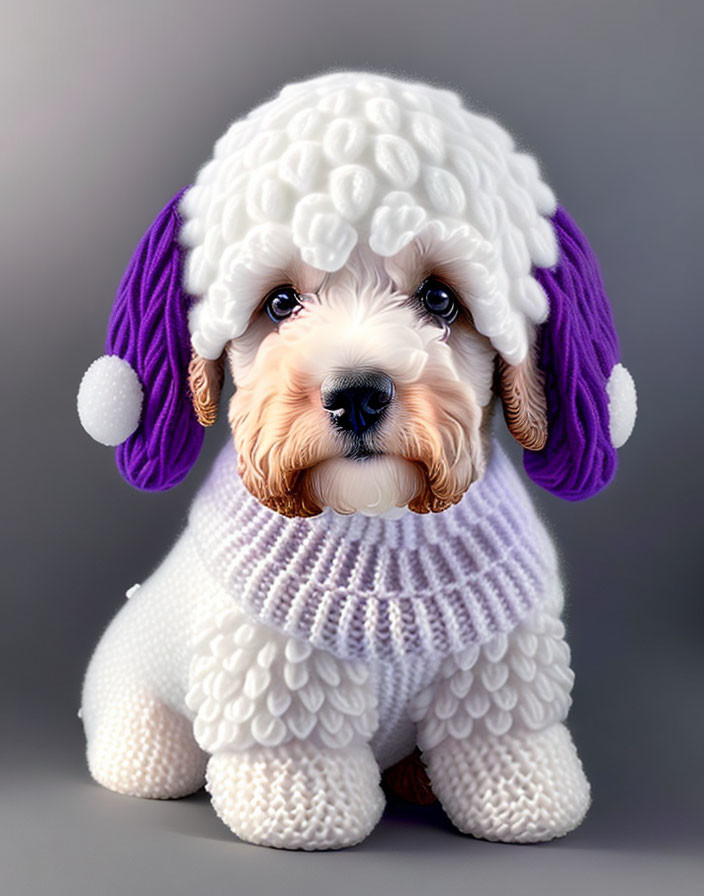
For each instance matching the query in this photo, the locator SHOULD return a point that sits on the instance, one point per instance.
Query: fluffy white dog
(362, 576)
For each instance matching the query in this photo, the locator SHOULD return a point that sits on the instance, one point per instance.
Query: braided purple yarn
(149, 328)
(577, 350)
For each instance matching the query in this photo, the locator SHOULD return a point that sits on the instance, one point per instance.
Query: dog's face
(367, 389)
(358, 396)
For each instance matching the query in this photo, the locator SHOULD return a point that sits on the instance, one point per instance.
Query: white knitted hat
(352, 158)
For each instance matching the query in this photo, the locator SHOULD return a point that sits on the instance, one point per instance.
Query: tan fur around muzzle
(281, 432)
(442, 437)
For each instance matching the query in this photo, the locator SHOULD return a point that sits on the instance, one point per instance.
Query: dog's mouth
(363, 454)
(362, 449)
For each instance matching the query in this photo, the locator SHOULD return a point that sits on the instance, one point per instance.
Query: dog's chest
(251, 685)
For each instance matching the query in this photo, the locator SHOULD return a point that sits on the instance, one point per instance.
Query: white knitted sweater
(398, 610)
(373, 588)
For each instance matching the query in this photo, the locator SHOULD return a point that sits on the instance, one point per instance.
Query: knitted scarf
(368, 587)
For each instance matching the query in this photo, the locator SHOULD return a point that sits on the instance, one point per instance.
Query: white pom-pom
(623, 405)
(110, 400)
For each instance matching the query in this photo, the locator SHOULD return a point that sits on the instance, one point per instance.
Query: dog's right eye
(281, 303)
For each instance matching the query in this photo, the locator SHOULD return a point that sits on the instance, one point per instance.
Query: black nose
(357, 400)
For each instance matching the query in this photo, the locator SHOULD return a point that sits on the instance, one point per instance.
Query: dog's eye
(438, 299)
(281, 303)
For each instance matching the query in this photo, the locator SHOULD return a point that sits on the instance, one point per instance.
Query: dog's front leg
(500, 759)
(288, 730)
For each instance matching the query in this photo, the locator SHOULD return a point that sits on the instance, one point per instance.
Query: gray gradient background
(106, 113)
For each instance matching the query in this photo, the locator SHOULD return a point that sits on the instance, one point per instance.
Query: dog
(363, 584)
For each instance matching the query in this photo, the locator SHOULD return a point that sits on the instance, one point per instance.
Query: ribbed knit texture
(149, 329)
(578, 350)
(379, 588)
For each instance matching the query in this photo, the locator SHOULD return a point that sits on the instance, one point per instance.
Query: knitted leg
(520, 789)
(140, 747)
(298, 795)
(289, 730)
(499, 758)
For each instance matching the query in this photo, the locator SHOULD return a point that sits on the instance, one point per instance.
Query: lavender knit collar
(365, 587)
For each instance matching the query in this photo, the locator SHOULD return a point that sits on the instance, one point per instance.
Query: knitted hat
(354, 158)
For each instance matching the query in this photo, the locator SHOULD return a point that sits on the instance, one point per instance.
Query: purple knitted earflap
(577, 352)
(149, 330)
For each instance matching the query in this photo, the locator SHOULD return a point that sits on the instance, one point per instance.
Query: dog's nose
(357, 400)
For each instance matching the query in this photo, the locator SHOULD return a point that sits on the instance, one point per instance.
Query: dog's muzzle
(357, 400)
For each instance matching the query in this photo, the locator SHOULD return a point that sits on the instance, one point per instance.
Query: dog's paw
(517, 789)
(297, 796)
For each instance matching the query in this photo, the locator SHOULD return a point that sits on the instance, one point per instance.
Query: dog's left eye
(438, 299)
(281, 303)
